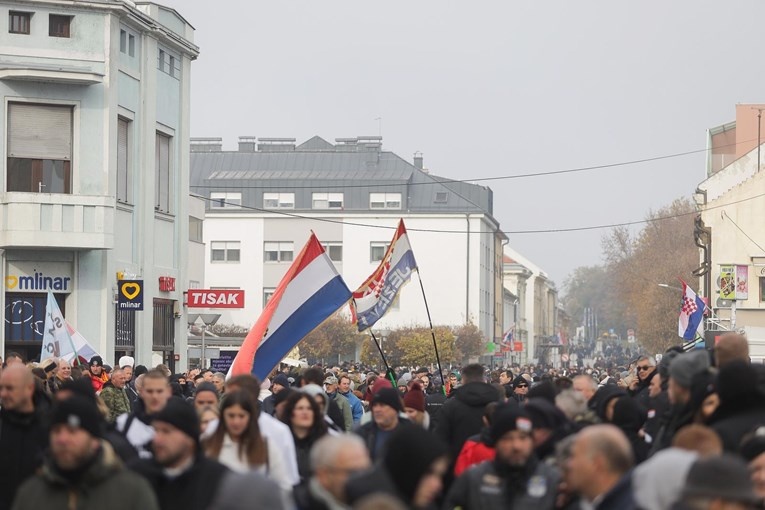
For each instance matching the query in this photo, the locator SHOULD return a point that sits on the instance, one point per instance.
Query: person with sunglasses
(639, 389)
(520, 389)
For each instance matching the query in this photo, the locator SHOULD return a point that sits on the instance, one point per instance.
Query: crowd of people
(685, 430)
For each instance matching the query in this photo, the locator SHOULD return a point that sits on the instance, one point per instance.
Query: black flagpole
(432, 333)
(385, 361)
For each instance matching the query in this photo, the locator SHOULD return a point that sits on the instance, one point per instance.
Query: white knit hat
(126, 361)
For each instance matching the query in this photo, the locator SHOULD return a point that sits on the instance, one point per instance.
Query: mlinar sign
(204, 298)
(26, 276)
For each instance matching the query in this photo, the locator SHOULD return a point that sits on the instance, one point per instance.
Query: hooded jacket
(104, 481)
(462, 414)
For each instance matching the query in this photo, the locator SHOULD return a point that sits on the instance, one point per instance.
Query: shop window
(25, 316)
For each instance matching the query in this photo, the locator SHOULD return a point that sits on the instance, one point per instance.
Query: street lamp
(664, 285)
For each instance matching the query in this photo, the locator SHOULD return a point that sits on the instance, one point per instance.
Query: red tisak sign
(204, 298)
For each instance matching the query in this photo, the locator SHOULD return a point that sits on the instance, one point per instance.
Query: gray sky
(492, 88)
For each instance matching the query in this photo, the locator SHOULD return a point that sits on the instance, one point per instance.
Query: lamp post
(208, 319)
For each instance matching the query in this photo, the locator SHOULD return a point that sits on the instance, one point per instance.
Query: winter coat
(462, 414)
(641, 393)
(98, 381)
(369, 431)
(434, 402)
(741, 388)
(619, 497)
(106, 482)
(345, 408)
(23, 440)
(116, 401)
(485, 487)
(630, 417)
(475, 450)
(194, 489)
(357, 409)
(136, 427)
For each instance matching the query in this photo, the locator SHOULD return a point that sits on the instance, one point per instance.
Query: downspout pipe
(467, 271)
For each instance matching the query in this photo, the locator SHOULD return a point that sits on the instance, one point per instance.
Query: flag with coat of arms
(691, 313)
(374, 297)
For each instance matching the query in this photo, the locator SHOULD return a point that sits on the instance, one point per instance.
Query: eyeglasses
(644, 368)
(522, 386)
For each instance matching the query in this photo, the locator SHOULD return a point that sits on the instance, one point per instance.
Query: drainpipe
(467, 271)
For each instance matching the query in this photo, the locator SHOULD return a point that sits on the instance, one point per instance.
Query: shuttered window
(39, 148)
(123, 164)
(39, 131)
(162, 193)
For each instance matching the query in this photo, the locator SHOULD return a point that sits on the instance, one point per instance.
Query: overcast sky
(491, 89)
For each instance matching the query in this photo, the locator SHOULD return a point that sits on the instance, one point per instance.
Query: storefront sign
(39, 277)
(203, 298)
(130, 295)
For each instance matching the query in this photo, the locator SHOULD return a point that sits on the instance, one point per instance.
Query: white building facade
(265, 199)
(95, 182)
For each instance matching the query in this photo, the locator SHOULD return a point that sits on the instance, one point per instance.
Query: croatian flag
(691, 313)
(309, 293)
(373, 299)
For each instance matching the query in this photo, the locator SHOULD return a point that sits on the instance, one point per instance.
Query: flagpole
(388, 370)
(432, 332)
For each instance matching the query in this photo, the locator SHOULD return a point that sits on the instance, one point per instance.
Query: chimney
(248, 144)
(418, 160)
(206, 144)
(276, 144)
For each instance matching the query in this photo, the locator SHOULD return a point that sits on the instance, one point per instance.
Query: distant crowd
(621, 431)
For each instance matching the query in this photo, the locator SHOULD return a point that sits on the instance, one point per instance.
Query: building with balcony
(729, 231)
(265, 198)
(95, 123)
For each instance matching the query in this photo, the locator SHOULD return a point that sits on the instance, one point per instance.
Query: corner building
(95, 125)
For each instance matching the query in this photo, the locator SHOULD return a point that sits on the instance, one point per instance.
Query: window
(123, 41)
(762, 290)
(131, 45)
(25, 316)
(171, 66)
(267, 295)
(221, 200)
(441, 197)
(385, 200)
(327, 201)
(278, 252)
(19, 22)
(169, 63)
(278, 200)
(162, 178)
(377, 251)
(195, 229)
(161, 65)
(59, 25)
(335, 251)
(123, 161)
(225, 251)
(39, 148)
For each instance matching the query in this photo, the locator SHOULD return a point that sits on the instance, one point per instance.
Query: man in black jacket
(640, 387)
(23, 435)
(386, 409)
(180, 474)
(462, 414)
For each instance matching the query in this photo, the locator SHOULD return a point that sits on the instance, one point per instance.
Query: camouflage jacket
(116, 401)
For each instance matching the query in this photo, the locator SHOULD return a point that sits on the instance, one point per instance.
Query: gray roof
(319, 166)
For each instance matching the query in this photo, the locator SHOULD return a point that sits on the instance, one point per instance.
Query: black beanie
(80, 387)
(544, 390)
(520, 380)
(509, 417)
(181, 415)
(78, 412)
(410, 452)
(543, 414)
(389, 397)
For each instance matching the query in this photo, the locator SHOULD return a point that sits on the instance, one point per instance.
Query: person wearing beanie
(681, 371)
(753, 451)
(520, 388)
(386, 407)
(515, 478)
(721, 482)
(741, 388)
(82, 467)
(414, 406)
(181, 476)
(411, 471)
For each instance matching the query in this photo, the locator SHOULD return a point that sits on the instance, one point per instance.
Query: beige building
(729, 230)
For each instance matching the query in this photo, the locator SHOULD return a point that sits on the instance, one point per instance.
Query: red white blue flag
(373, 299)
(691, 313)
(308, 294)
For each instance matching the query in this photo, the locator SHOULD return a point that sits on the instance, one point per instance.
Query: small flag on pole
(308, 294)
(691, 313)
(373, 299)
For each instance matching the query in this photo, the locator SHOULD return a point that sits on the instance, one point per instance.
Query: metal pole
(733, 315)
(759, 143)
(202, 355)
(433, 335)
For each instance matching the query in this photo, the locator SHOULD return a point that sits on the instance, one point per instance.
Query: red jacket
(98, 381)
(473, 452)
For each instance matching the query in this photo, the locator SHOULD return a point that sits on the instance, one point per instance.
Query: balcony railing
(43, 220)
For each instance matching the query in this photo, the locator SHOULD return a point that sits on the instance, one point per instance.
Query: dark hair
(252, 445)
(13, 354)
(472, 373)
(313, 375)
(319, 427)
(245, 382)
(140, 369)
(156, 374)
